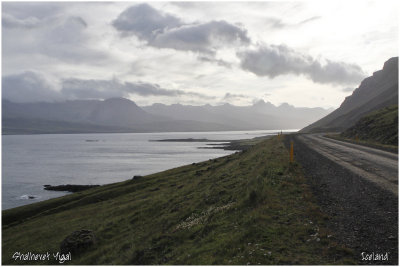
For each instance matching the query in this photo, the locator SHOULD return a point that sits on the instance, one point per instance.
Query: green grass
(250, 207)
(379, 127)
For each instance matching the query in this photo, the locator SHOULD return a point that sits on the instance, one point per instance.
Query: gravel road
(358, 188)
(379, 167)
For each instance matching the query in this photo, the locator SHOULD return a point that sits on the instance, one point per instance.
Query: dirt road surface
(357, 187)
(379, 167)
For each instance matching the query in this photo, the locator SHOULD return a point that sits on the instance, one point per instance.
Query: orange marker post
(291, 151)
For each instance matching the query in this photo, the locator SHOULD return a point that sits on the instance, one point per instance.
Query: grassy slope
(250, 207)
(379, 127)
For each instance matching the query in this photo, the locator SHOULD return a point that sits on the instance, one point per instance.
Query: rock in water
(77, 241)
(69, 187)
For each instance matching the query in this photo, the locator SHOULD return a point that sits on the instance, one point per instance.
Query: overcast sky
(308, 54)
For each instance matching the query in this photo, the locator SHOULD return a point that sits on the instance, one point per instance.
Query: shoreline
(240, 145)
(68, 189)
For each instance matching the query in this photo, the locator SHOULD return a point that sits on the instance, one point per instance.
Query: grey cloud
(29, 87)
(63, 38)
(41, 30)
(9, 21)
(92, 89)
(166, 31)
(348, 89)
(39, 10)
(272, 61)
(201, 37)
(309, 20)
(95, 89)
(69, 41)
(276, 23)
(229, 96)
(219, 62)
(187, 4)
(35, 87)
(336, 73)
(70, 30)
(144, 21)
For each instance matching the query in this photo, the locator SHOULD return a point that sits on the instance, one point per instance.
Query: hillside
(375, 92)
(251, 207)
(380, 127)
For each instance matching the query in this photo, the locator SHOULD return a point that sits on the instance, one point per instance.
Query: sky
(307, 53)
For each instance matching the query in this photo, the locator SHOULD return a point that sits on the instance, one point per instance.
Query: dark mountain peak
(391, 63)
(389, 67)
(371, 86)
(119, 101)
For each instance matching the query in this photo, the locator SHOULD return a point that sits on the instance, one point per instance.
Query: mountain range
(375, 92)
(123, 115)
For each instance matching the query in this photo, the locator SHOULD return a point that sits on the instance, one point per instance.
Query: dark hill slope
(380, 126)
(375, 92)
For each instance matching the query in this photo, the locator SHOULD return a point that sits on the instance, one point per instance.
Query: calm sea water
(31, 161)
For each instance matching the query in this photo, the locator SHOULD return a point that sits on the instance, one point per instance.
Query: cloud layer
(184, 53)
(35, 87)
(94, 89)
(167, 31)
(9, 21)
(275, 60)
(145, 22)
(29, 87)
(65, 38)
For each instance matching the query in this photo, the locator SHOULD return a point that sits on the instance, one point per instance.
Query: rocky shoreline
(68, 187)
(240, 145)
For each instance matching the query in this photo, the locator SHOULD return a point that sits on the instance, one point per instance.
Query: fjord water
(31, 161)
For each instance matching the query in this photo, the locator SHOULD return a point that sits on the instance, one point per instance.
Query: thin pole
(291, 151)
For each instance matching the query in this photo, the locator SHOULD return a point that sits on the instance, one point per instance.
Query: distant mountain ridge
(375, 92)
(260, 115)
(123, 115)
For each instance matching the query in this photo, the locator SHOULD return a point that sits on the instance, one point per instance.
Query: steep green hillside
(252, 207)
(380, 126)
